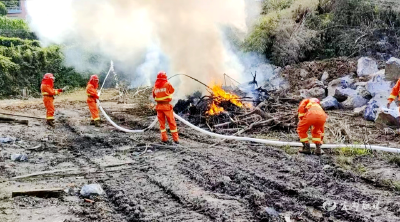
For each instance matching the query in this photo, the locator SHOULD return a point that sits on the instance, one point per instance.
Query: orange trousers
(316, 120)
(169, 115)
(94, 111)
(48, 103)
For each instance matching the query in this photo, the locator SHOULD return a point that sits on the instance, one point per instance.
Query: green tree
(3, 9)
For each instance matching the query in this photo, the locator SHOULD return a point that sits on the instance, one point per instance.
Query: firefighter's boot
(92, 122)
(306, 149)
(318, 150)
(97, 123)
(50, 122)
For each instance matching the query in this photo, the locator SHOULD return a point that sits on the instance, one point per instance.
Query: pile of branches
(267, 115)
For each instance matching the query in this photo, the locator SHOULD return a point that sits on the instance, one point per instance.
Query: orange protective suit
(311, 115)
(91, 90)
(48, 94)
(162, 93)
(395, 93)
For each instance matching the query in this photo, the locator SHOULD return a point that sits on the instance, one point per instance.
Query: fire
(221, 95)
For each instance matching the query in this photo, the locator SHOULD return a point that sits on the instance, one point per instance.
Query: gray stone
(386, 117)
(324, 76)
(359, 111)
(343, 83)
(392, 69)
(316, 93)
(366, 66)
(330, 103)
(91, 189)
(380, 89)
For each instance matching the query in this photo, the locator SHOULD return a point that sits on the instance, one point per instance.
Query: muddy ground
(195, 181)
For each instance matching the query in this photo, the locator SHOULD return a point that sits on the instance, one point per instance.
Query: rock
(324, 76)
(392, 69)
(315, 93)
(271, 212)
(359, 111)
(380, 90)
(371, 110)
(6, 140)
(342, 94)
(363, 92)
(344, 82)
(91, 189)
(366, 66)
(351, 98)
(387, 117)
(19, 157)
(330, 103)
(303, 73)
(354, 102)
(313, 83)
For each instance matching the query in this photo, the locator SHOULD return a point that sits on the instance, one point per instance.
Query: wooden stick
(34, 117)
(53, 192)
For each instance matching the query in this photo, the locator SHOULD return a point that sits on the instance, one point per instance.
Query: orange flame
(221, 95)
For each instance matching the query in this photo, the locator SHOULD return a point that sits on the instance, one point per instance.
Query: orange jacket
(47, 90)
(306, 105)
(395, 92)
(91, 91)
(163, 93)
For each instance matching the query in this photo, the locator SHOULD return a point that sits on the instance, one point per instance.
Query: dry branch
(54, 192)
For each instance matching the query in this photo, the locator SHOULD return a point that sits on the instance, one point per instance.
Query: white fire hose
(268, 142)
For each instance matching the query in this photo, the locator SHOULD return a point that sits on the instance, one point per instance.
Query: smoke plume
(146, 36)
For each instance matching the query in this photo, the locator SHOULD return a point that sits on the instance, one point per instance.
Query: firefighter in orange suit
(48, 92)
(395, 93)
(162, 94)
(311, 115)
(91, 90)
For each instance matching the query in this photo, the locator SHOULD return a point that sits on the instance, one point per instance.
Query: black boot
(97, 123)
(92, 122)
(50, 122)
(306, 149)
(318, 150)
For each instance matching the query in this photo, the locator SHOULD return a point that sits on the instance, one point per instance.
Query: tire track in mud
(219, 180)
(285, 183)
(188, 201)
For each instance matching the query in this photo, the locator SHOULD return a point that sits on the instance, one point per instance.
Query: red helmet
(162, 75)
(48, 76)
(94, 80)
(314, 100)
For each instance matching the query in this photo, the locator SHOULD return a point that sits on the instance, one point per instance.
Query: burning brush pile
(229, 111)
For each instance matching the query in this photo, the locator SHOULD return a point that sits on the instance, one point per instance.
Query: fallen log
(43, 193)
(4, 119)
(33, 117)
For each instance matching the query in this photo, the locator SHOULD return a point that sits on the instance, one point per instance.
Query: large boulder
(392, 69)
(380, 89)
(351, 98)
(330, 103)
(366, 66)
(387, 117)
(343, 83)
(312, 83)
(313, 93)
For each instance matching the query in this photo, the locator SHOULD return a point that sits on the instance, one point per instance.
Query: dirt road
(195, 181)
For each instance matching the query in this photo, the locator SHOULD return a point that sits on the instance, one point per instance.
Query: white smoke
(147, 36)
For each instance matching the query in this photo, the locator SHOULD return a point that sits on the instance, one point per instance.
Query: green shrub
(3, 9)
(292, 31)
(8, 42)
(15, 28)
